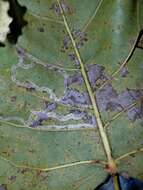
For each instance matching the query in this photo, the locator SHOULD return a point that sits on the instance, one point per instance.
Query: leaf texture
(49, 133)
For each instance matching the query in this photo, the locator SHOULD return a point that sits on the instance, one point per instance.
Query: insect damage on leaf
(5, 20)
(55, 102)
(108, 98)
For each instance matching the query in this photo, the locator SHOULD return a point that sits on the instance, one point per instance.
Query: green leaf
(50, 137)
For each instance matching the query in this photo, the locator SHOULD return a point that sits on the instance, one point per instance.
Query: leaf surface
(46, 115)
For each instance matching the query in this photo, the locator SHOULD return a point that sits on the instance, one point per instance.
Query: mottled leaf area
(46, 116)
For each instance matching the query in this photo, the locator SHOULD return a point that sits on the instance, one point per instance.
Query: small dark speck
(23, 171)
(12, 178)
(31, 151)
(30, 89)
(40, 29)
(79, 143)
(62, 51)
(52, 26)
(133, 156)
(13, 98)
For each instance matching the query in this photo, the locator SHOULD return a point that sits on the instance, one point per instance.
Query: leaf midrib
(102, 132)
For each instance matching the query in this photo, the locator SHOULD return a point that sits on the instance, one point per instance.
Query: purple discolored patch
(42, 116)
(29, 86)
(50, 107)
(87, 118)
(125, 100)
(105, 98)
(80, 38)
(127, 97)
(135, 113)
(20, 51)
(124, 72)
(74, 97)
(113, 106)
(66, 42)
(77, 78)
(36, 123)
(65, 7)
(55, 7)
(95, 73)
(73, 58)
(90, 119)
(77, 112)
